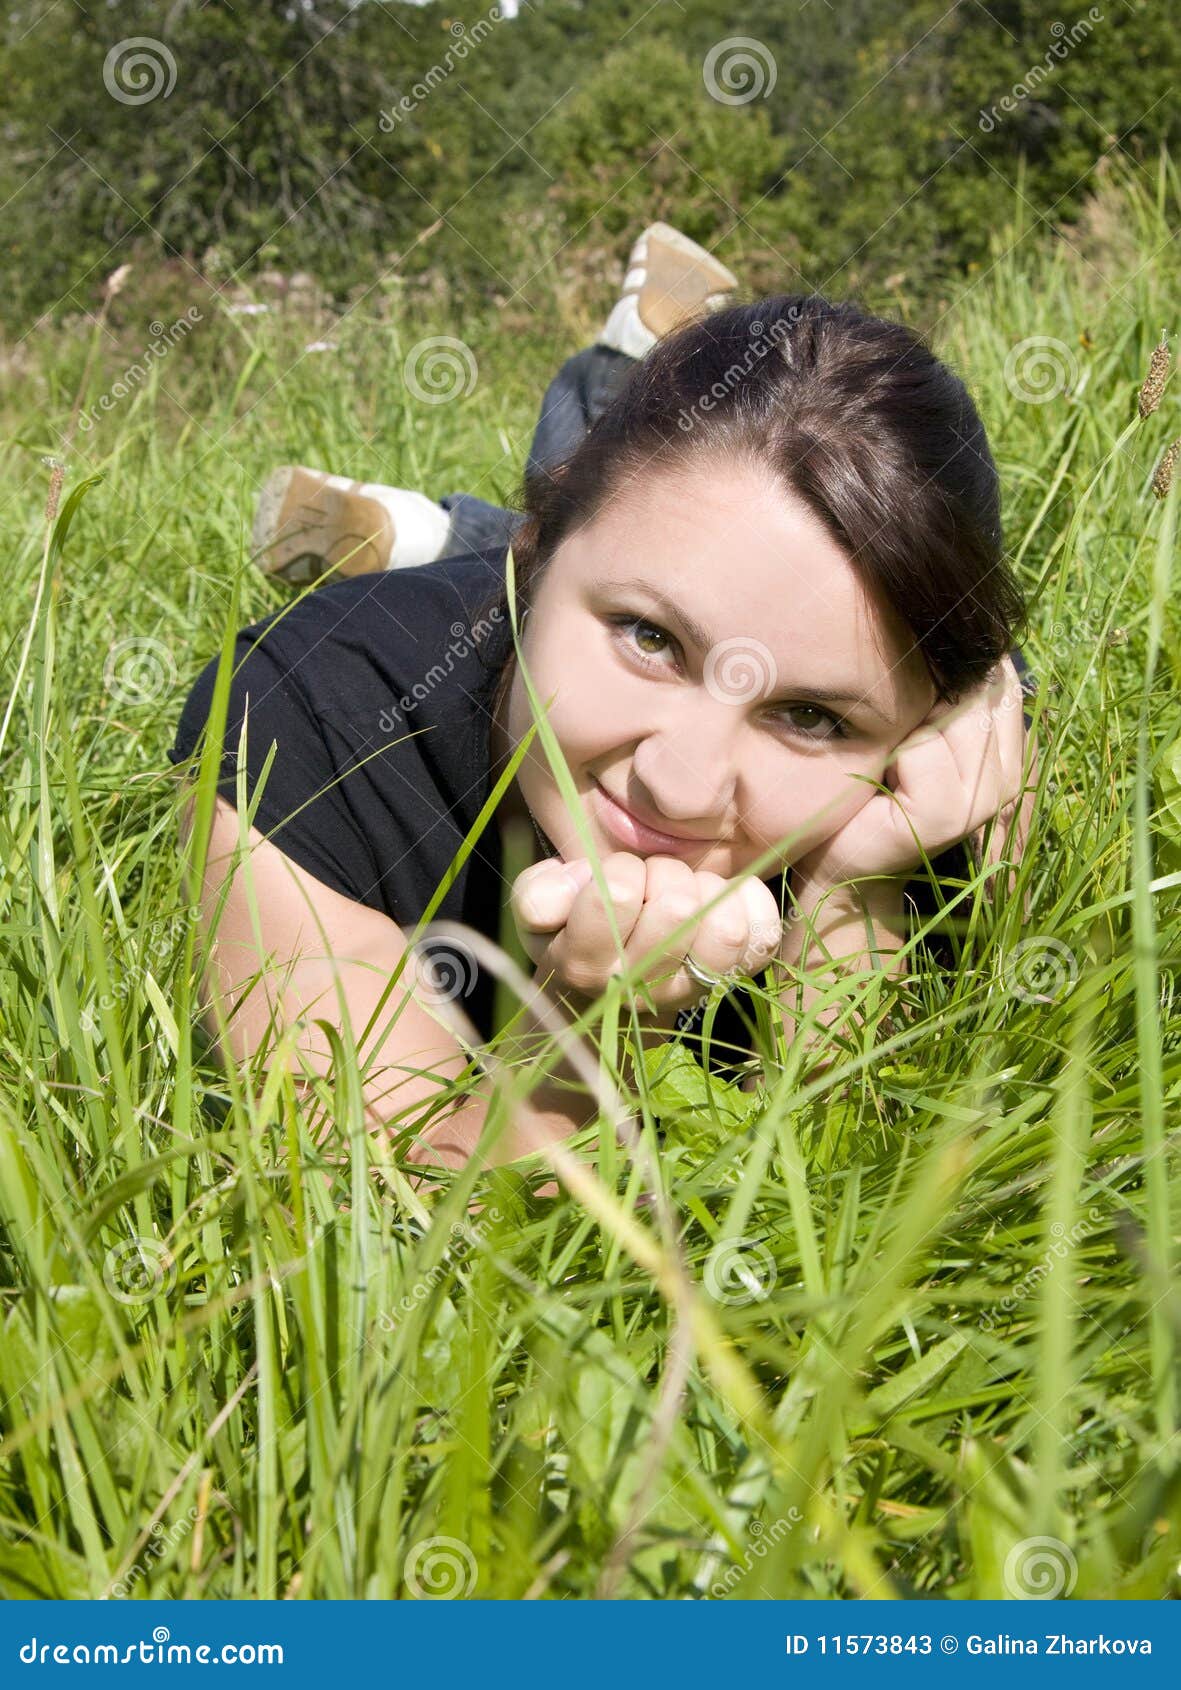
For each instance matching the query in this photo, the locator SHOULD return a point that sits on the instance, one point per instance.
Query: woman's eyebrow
(700, 637)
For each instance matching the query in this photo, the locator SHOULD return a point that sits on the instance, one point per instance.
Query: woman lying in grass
(765, 604)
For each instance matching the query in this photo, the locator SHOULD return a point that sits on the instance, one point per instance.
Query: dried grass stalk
(1154, 381)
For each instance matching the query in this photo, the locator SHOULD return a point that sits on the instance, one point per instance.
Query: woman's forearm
(409, 1068)
(834, 932)
(288, 963)
(551, 1113)
(405, 1095)
(556, 1108)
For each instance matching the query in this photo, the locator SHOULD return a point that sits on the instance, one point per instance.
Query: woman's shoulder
(397, 612)
(361, 709)
(378, 645)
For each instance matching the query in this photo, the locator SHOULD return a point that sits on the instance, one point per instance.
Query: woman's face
(712, 665)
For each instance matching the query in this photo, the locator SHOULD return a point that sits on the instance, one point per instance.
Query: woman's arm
(307, 944)
(858, 908)
(834, 931)
(862, 924)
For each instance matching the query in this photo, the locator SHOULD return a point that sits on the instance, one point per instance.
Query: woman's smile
(632, 834)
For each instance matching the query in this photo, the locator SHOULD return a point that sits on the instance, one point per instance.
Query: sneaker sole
(308, 522)
(682, 280)
(725, 279)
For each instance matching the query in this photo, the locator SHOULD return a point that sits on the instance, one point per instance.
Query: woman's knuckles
(626, 867)
(543, 894)
(583, 977)
(728, 929)
(739, 933)
(540, 909)
(624, 894)
(675, 906)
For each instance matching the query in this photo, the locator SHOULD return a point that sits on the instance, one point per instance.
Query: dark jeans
(576, 396)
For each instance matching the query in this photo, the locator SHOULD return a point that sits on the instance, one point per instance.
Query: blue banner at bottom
(508, 1645)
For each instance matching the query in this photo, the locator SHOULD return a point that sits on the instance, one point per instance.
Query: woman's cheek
(820, 808)
(575, 672)
(581, 730)
(595, 711)
(589, 727)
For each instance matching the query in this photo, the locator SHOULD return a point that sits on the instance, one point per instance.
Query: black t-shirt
(377, 693)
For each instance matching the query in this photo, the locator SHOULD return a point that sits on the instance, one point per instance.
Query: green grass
(877, 1335)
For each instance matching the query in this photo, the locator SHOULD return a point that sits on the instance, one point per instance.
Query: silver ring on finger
(702, 976)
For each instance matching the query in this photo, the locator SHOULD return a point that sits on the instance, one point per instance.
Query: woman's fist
(565, 928)
(961, 766)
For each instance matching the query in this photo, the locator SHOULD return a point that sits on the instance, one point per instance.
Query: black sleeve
(303, 807)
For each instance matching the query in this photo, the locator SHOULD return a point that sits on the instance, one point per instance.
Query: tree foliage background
(478, 155)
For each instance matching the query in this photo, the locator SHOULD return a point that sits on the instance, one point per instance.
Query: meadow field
(908, 1328)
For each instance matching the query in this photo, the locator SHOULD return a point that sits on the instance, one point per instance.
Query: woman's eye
(821, 718)
(641, 634)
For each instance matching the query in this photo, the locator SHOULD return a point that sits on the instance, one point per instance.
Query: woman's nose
(688, 767)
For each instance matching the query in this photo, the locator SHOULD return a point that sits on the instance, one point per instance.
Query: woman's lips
(638, 836)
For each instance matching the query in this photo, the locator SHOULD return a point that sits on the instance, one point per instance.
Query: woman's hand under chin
(960, 767)
(563, 924)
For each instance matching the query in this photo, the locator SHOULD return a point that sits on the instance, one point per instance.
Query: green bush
(534, 151)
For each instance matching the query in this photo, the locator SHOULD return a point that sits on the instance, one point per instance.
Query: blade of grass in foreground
(1145, 944)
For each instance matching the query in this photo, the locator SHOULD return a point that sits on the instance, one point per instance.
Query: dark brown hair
(850, 413)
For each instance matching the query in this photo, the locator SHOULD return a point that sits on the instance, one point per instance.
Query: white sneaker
(308, 523)
(670, 281)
